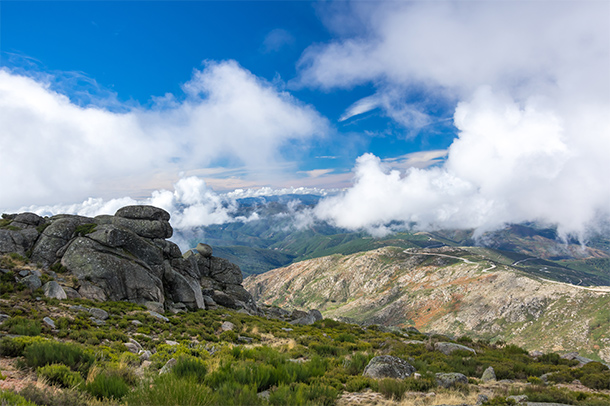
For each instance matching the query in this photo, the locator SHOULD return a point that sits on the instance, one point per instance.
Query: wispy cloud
(276, 40)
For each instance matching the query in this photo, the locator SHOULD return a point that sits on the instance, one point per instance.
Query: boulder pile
(125, 257)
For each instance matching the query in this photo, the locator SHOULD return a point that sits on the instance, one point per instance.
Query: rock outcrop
(387, 366)
(124, 257)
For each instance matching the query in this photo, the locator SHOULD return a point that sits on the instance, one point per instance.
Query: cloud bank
(531, 89)
(53, 150)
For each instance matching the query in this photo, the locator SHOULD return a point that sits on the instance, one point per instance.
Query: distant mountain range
(274, 240)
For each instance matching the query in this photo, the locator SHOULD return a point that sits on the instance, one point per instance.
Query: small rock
(24, 273)
(519, 399)
(264, 394)
(99, 313)
(447, 380)
(204, 250)
(157, 315)
(4, 317)
(79, 307)
(168, 366)
(227, 326)
(536, 354)
(53, 290)
(71, 293)
(387, 366)
(246, 340)
(155, 307)
(36, 272)
(136, 322)
(416, 375)
(97, 321)
(448, 348)
(171, 342)
(131, 347)
(49, 322)
(481, 399)
(416, 342)
(145, 355)
(489, 375)
(287, 329)
(32, 282)
(137, 344)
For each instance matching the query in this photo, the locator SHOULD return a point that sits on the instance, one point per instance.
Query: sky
(463, 114)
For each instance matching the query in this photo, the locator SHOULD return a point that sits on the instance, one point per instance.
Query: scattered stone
(171, 342)
(145, 355)
(53, 290)
(71, 293)
(157, 315)
(204, 250)
(168, 366)
(536, 354)
(519, 399)
(287, 329)
(227, 326)
(49, 322)
(450, 379)
(387, 366)
(489, 375)
(448, 348)
(481, 399)
(264, 394)
(131, 347)
(24, 273)
(137, 344)
(245, 340)
(416, 342)
(4, 317)
(136, 322)
(32, 282)
(98, 313)
(97, 321)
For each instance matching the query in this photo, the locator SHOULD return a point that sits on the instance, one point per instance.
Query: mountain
(448, 290)
(280, 231)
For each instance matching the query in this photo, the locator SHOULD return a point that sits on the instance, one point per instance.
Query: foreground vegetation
(251, 361)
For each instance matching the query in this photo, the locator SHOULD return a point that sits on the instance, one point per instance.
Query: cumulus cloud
(53, 150)
(531, 90)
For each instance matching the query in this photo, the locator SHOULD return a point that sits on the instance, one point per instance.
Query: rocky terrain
(125, 257)
(446, 290)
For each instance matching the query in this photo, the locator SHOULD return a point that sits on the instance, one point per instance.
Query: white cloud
(55, 151)
(533, 95)
(277, 39)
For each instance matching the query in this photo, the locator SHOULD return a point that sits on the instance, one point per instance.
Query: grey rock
(311, 317)
(53, 290)
(56, 236)
(137, 344)
(387, 366)
(204, 250)
(168, 366)
(155, 307)
(171, 342)
(32, 282)
(489, 375)
(23, 220)
(209, 302)
(158, 316)
(184, 289)
(143, 212)
(115, 273)
(90, 291)
(223, 299)
(49, 322)
(97, 321)
(143, 228)
(264, 394)
(227, 326)
(450, 379)
(245, 340)
(414, 342)
(24, 273)
(481, 399)
(448, 348)
(71, 293)
(145, 355)
(225, 272)
(136, 322)
(131, 347)
(98, 313)
(519, 399)
(4, 317)
(536, 354)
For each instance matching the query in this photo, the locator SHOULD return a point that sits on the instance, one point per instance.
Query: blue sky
(444, 114)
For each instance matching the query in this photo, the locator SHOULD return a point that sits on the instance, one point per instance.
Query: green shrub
(232, 393)
(301, 394)
(107, 385)
(327, 350)
(357, 383)
(599, 380)
(59, 374)
(190, 368)
(85, 229)
(357, 363)
(21, 326)
(44, 353)
(13, 399)
(44, 397)
(14, 347)
(229, 336)
(168, 389)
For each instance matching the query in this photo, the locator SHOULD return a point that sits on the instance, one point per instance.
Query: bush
(168, 389)
(357, 364)
(50, 352)
(59, 374)
(13, 399)
(22, 326)
(596, 381)
(190, 368)
(301, 394)
(107, 385)
(14, 347)
(54, 398)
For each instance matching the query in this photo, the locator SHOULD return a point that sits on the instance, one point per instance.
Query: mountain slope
(447, 290)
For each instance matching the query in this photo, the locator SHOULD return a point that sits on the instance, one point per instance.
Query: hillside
(447, 290)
